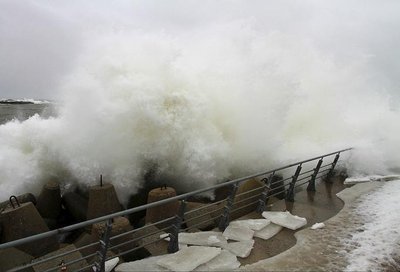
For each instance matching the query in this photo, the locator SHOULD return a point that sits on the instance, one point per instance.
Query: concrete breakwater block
(56, 261)
(285, 219)
(86, 239)
(268, 232)
(238, 233)
(103, 200)
(225, 261)
(76, 205)
(12, 257)
(152, 234)
(187, 259)
(241, 249)
(250, 188)
(24, 221)
(161, 212)
(25, 198)
(119, 226)
(202, 218)
(49, 201)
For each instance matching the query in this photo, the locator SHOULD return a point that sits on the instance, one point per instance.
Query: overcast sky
(41, 40)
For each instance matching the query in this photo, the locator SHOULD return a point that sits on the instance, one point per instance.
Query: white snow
(253, 224)
(285, 219)
(201, 238)
(379, 237)
(318, 226)
(226, 261)
(187, 259)
(268, 232)
(355, 180)
(241, 249)
(238, 233)
(110, 264)
(148, 264)
(361, 179)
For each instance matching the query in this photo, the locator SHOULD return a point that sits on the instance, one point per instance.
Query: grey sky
(40, 40)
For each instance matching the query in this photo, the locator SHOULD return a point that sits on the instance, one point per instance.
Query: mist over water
(203, 102)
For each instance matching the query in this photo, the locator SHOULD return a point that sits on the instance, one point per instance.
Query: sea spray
(197, 108)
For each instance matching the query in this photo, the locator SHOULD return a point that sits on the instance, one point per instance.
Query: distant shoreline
(15, 102)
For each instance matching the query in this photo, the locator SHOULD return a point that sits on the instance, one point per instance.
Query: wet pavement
(325, 249)
(314, 206)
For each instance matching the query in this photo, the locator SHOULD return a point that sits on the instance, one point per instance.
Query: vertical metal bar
(290, 191)
(225, 217)
(173, 245)
(262, 202)
(311, 183)
(104, 243)
(330, 173)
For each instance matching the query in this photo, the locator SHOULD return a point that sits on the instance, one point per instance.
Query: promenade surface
(358, 238)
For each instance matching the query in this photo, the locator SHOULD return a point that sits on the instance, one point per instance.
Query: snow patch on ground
(379, 238)
(317, 226)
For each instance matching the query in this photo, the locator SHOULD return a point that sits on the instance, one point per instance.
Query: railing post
(262, 202)
(330, 173)
(173, 245)
(104, 244)
(225, 218)
(311, 183)
(290, 191)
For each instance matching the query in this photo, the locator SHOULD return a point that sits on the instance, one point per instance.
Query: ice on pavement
(226, 261)
(390, 178)
(238, 233)
(110, 264)
(268, 232)
(187, 259)
(253, 224)
(201, 238)
(355, 180)
(285, 219)
(241, 249)
(318, 226)
(148, 264)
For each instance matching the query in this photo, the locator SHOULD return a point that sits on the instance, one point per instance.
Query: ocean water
(22, 112)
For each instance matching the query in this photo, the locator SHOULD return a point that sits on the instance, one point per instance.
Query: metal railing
(217, 213)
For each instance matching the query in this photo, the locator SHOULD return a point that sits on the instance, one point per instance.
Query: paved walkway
(315, 206)
(328, 249)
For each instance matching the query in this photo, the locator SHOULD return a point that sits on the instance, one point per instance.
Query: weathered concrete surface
(152, 233)
(161, 212)
(12, 257)
(202, 218)
(103, 200)
(24, 221)
(49, 200)
(56, 262)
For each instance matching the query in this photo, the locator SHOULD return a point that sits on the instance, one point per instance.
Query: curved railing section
(275, 182)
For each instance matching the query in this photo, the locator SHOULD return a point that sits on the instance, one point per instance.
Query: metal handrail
(185, 196)
(153, 204)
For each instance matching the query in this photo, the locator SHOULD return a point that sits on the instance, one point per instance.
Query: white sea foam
(378, 240)
(200, 106)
